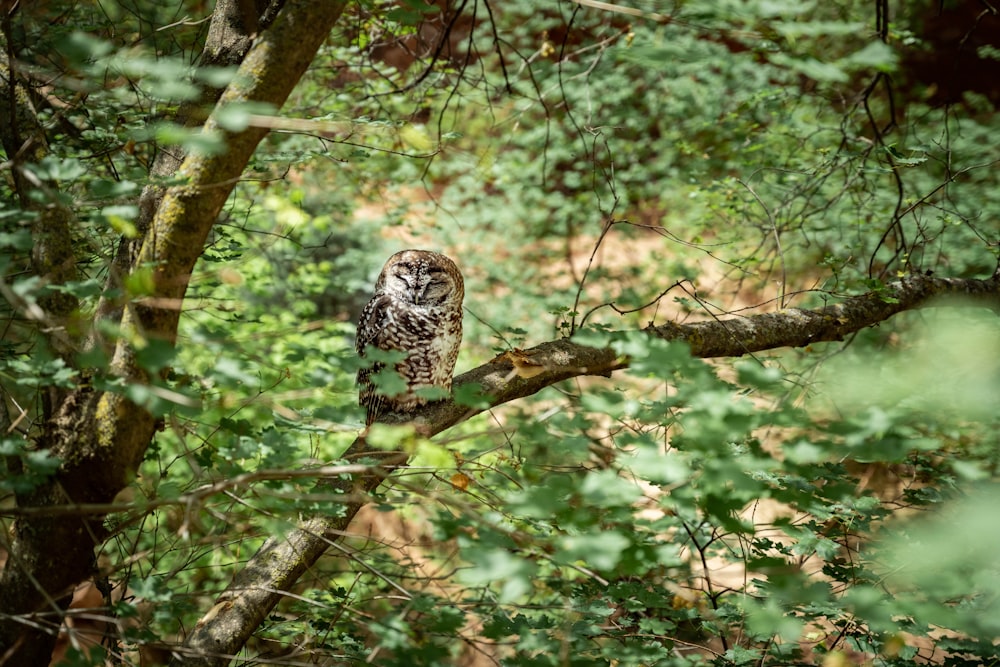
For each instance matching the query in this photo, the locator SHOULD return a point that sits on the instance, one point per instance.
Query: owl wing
(372, 323)
(374, 319)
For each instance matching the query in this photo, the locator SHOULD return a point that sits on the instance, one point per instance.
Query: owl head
(421, 278)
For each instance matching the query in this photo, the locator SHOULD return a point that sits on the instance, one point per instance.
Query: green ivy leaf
(601, 550)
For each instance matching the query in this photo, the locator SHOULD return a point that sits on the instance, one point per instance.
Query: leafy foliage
(827, 506)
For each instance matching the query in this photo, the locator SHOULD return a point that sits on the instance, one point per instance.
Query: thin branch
(193, 498)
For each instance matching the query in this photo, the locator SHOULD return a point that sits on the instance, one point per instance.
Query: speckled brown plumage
(416, 309)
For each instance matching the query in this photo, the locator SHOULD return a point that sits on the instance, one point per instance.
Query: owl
(416, 309)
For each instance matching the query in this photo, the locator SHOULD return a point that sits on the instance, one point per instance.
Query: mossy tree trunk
(101, 436)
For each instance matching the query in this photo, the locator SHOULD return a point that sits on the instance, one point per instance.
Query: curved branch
(503, 381)
(794, 327)
(257, 588)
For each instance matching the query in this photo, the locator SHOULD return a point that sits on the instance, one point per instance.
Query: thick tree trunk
(224, 630)
(101, 436)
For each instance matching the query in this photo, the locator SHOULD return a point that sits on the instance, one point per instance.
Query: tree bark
(230, 35)
(100, 436)
(52, 256)
(270, 573)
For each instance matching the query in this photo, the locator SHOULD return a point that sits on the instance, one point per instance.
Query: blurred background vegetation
(592, 170)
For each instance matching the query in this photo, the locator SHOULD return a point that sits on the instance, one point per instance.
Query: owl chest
(430, 337)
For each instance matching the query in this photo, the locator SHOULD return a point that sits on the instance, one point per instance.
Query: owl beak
(418, 295)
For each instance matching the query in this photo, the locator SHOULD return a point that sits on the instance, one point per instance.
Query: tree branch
(230, 36)
(794, 327)
(256, 589)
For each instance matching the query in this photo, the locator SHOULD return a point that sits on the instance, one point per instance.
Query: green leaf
(82, 289)
(742, 656)
(52, 168)
(875, 55)
(796, 29)
(813, 68)
(389, 438)
(601, 550)
(471, 396)
(229, 369)
(19, 240)
(766, 619)
(216, 77)
(655, 466)
(388, 382)
(903, 160)
(511, 572)
(120, 218)
(236, 116)
(756, 375)
(774, 8)
(606, 488)
(155, 355)
(81, 47)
